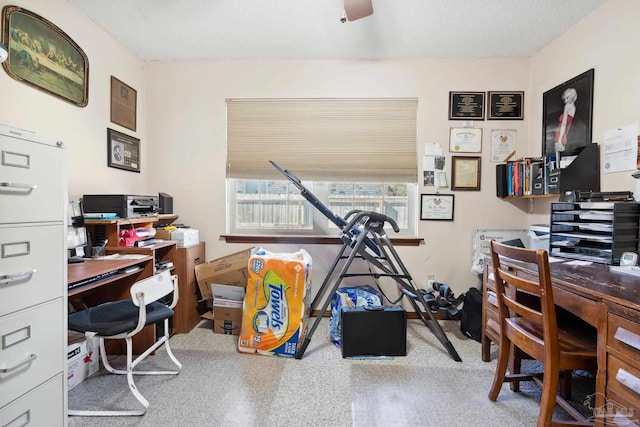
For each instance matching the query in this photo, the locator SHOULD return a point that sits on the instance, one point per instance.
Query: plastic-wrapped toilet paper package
(275, 308)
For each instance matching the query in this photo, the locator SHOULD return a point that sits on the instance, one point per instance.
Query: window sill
(311, 240)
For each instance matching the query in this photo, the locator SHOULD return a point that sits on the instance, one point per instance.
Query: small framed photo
(465, 140)
(123, 151)
(506, 105)
(123, 104)
(465, 173)
(436, 207)
(466, 105)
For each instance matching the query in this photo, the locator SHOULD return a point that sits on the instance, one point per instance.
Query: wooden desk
(112, 288)
(608, 301)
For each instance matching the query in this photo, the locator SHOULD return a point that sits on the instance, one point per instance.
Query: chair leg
(548, 398)
(501, 368)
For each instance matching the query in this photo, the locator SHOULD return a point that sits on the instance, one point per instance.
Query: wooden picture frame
(437, 207)
(505, 105)
(573, 99)
(43, 56)
(465, 173)
(123, 104)
(466, 105)
(123, 151)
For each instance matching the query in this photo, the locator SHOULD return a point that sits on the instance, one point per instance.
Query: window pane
(272, 207)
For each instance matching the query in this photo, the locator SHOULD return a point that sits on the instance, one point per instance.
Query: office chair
(533, 328)
(124, 319)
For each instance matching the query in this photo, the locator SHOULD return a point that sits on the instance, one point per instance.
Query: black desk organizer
(594, 231)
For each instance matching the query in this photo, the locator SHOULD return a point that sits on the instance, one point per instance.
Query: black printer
(122, 205)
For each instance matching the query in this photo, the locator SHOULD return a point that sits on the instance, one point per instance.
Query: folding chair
(364, 237)
(124, 319)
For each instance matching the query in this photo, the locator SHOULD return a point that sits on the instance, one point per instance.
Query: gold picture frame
(43, 56)
(124, 101)
(465, 173)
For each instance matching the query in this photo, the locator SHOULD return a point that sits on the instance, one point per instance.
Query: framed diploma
(465, 173)
(503, 144)
(505, 106)
(466, 105)
(465, 140)
(436, 207)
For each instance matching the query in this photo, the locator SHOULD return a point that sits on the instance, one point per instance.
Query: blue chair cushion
(116, 317)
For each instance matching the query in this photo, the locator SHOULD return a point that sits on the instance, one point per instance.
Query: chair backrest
(153, 288)
(527, 297)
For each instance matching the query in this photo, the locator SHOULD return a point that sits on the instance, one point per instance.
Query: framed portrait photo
(465, 173)
(567, 114)
(43, 56)
(436, 207)
(123, 151)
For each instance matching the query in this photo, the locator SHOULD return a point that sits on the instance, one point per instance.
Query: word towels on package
(275, 309)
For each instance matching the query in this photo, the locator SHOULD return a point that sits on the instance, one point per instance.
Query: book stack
(527, 176)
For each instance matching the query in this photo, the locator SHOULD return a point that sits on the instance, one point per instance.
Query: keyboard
(93, 279)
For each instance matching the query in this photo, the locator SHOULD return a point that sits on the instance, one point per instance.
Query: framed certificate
(465, 140)
(466, 105)
(505, 106)
(465, 173)
(436, 207)
(503, 144)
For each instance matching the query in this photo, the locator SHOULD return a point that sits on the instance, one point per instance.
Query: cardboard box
(162, 234)
(227, 311)
(228, 270)
(227, 327)
(81, 364)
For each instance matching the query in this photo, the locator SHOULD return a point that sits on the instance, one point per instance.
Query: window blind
(323, 139)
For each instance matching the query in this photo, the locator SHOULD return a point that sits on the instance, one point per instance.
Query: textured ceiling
(311, 29)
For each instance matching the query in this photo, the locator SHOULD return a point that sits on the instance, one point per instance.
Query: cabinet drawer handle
(18, 185)
(627, 337)
(30, 358)
(6, 278)
(628, 379)
(21, 420)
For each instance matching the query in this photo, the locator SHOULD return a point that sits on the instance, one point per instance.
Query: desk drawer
(623, 336)
(32, 181)
(620, 412)
(43, 406)
(36, 331)
(624, 380)
(32, 265)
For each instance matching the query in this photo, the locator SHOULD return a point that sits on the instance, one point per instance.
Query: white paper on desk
(578, 263)
(121, 256)
(620, 149)
(555, 259)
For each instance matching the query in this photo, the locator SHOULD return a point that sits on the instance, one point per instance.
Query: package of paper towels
(275, 308)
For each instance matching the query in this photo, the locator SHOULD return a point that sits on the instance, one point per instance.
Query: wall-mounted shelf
(531, 198)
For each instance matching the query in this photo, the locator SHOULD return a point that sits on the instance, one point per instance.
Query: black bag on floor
(471, 321)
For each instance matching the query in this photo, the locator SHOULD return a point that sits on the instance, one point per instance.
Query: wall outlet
(430, 281)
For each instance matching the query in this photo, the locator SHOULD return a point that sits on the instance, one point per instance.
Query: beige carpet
(221, 387)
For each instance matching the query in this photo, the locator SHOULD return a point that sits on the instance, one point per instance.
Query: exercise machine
(364, 237)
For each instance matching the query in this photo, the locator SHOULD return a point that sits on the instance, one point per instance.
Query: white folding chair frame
(154, 288)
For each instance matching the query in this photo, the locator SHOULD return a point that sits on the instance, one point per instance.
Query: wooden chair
(534, 329)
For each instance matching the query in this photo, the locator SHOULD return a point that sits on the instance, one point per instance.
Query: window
(351, 153)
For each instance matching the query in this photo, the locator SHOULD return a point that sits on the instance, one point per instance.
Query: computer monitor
(76, 233)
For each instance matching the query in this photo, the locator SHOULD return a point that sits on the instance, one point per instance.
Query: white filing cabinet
(33, 279)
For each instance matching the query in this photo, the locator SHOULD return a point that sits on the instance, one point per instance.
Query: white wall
(181, 121)
(83, 130)
(186, 104)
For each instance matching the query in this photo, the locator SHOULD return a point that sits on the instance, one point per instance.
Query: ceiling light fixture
(356, 9)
